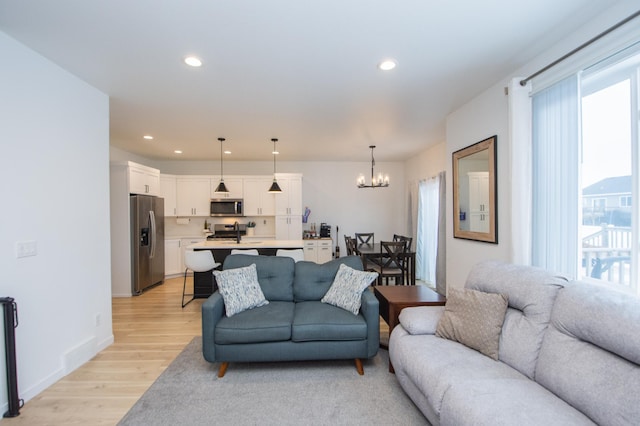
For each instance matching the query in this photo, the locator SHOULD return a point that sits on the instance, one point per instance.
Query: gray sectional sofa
(295, 325)
(569, 354)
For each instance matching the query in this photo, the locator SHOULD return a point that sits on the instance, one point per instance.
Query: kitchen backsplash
(265, 226)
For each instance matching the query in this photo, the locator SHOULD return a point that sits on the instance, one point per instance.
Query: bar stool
(197, 261)
(296, 254)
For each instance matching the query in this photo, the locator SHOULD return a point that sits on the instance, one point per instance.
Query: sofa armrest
(212, 312)
(370, 310)
(421, 319)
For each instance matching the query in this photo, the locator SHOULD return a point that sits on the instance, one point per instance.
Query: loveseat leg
(222, 369)
(359, 366)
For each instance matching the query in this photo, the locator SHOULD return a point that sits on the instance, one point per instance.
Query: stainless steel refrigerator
(147, 242)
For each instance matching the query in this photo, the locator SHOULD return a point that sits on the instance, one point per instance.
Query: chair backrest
(392, 254)
(407, 240)
(252, 252)
(295, 254)
(350, 244)
(199, 260)
(365, 238)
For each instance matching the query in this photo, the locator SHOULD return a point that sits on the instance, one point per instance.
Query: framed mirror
(475, 213)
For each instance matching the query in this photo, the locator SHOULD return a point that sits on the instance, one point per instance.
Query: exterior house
(607, 201)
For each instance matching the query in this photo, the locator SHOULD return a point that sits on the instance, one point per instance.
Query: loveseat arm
(421, 319)
(370, 310)
(212, 312)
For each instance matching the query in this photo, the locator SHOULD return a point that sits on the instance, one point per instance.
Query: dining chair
(365, 238)
(350, 244)
(391, 262)
(197, 261)
(407, 240)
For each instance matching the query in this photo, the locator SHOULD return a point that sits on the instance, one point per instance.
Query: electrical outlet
(26, 248)
(98, 320)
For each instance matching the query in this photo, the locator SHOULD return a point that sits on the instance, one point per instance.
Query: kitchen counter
(246, 244)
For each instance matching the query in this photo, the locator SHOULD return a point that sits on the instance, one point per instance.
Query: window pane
(607, 184)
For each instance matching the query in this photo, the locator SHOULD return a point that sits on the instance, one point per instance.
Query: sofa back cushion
(275, 274)
(313, 280)
(590, 355)
(531, 293)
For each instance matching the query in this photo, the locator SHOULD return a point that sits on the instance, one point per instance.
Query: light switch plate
(26, 248)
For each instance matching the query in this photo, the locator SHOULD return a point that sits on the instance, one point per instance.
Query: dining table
(371, 251)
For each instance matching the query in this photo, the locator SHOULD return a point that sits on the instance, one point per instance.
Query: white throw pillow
(240, 289)
(346, 290)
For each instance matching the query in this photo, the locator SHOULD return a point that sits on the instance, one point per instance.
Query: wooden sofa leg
(222, 369)
(359, 366)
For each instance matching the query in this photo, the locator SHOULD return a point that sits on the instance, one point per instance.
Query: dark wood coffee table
(393, 299)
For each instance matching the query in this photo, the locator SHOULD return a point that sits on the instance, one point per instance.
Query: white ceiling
(300, 70)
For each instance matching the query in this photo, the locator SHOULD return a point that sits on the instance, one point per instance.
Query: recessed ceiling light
(387, 65)
(275, 152)
(227, 152)
(148, 137)
(193, 61)
(177, 151)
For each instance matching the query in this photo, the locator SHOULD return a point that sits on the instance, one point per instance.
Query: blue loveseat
(295, 325)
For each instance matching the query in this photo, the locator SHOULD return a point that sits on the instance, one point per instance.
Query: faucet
(236, 227)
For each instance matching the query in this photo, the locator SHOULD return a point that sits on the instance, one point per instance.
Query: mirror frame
(491, 236)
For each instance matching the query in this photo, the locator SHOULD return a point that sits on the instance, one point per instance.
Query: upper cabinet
(257, 200)
(235, 185)
(143, 180)
(289, 201)
(169, 193)
(193, 195)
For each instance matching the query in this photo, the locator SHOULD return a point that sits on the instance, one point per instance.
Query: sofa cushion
(275, 274)
(590, 355)
(313, 280)
(506, 402)
(240, 289)
(531, 293)
(433, 364)
(269, 323)
(319, 321)
(473, 318)
(346, 290)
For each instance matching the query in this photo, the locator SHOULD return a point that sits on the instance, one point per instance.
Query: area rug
(189, 392)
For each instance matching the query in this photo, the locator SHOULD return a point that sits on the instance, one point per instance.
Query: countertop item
(225, 244)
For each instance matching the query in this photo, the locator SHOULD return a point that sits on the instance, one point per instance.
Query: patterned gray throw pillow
(347, 287)
(475, 319)
(240, 289)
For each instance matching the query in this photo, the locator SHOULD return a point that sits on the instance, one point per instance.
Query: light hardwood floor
(149, 332)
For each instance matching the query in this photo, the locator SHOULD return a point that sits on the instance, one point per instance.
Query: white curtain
(427, 233)
(556, 137)
(521, 185)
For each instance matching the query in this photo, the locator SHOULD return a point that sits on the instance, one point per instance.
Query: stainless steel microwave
(227, 207)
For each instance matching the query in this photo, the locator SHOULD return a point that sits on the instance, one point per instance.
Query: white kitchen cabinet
(289, 227)
(319, 251)
(172, 257)
(168, 192)
(289, 201)
(193, 196)
(257, 200)
(143, 180)
(479, 201)
(184, 243)
(233, 184)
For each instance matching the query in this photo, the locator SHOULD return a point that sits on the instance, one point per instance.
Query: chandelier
(376, 182)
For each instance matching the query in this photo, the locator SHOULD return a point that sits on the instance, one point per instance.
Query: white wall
(54, 169)
(483, 117)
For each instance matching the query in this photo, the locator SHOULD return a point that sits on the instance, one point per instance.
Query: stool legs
(184, 288)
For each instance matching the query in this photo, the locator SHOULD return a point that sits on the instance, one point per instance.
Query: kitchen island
(204, 283)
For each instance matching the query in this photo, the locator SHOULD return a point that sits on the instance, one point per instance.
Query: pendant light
(221, 186)
(274, 186)
(379, 182)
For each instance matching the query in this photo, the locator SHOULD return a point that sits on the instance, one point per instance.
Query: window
(605, 151)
